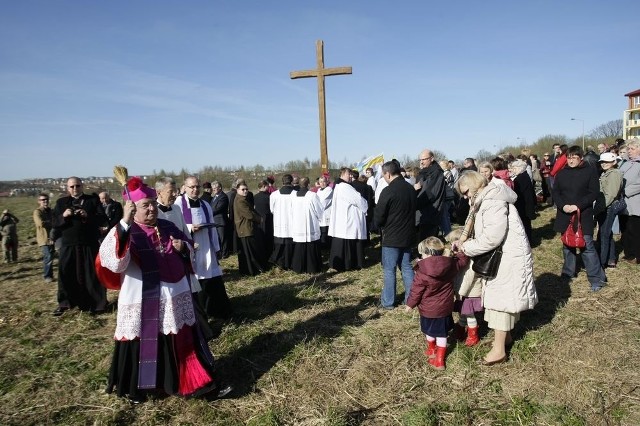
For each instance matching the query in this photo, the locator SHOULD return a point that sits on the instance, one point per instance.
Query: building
(631, 116)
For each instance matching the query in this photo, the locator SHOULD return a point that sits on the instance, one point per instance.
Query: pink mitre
(138, 190)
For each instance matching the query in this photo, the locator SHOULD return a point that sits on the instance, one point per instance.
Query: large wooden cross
(320, 72)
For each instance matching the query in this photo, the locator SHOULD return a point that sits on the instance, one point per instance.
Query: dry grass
(313, 350)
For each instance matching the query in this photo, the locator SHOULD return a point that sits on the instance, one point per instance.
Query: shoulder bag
(573, 236)
(486, 264)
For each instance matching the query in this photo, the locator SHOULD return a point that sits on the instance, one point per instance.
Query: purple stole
(188, 218)
(150, 315)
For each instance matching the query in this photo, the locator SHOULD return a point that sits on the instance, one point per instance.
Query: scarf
(150, 315)
(188, 217)
(474, 205)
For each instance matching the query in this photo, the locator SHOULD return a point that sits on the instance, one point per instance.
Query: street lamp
(578, 119)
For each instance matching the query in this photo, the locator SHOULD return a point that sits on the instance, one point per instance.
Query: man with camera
(77, 219)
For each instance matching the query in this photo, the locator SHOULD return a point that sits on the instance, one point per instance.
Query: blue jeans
(393, 257)
(591, 260)
(47, 260)
(605, 234)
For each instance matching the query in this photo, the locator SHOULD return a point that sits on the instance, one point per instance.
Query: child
(469, 288)
(432, 292)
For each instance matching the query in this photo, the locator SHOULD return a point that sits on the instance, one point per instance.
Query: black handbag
(486, 264)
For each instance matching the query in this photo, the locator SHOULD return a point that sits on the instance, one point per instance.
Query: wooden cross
(320, 72)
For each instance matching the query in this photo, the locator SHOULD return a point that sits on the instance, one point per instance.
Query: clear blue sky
(86, 85)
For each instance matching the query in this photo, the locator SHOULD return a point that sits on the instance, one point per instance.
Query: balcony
(632, 123)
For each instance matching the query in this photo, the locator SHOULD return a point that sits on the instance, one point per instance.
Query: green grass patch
(314, 350)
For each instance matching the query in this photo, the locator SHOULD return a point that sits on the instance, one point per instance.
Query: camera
(75, 206)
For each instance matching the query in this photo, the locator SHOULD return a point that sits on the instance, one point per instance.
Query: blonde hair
(486, 165)
(471, 180)
(454, 235)
(431, 246)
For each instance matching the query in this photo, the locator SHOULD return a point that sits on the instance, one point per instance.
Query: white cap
(607, 157)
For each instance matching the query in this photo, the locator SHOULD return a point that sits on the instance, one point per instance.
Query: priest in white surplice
(167, 194)
(198, 216)
(307, 211)
(167, 191)
(347, 225)
(281, 203)
(325, 194)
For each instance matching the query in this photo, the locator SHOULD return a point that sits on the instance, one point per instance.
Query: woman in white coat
(493, 220)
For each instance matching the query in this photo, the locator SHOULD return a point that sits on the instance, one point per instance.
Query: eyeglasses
(76, 186)
(546, 155)
(243, 189)
(43, 199)
(194, 187)
(466, 193)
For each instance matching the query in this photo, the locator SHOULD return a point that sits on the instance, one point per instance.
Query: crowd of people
(162, 248)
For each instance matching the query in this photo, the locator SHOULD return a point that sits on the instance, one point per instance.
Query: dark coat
(395, 214)
(77, 231)
(592, 159)
(263, 208)
(526, 202)
(232, 234)
(220, 207)
(244, 216)
(206, 196)
(432, 195)
(432, 288)
(576, 185)
(114, 212)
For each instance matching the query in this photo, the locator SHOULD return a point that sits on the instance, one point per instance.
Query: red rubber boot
(472, 337)
(438, 361)
(430, 352)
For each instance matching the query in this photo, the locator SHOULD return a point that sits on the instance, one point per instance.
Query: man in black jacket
(431, 188)
(113, 211)
(220, 208)
(395, 216)
(78, 217)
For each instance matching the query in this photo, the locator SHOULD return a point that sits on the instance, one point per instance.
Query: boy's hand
(407, 309)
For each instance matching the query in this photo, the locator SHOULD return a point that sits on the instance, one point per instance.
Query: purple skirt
(471, 305)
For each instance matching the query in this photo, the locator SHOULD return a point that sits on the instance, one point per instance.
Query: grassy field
(314, 350)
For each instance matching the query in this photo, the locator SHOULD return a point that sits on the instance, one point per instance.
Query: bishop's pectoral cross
(320, 72)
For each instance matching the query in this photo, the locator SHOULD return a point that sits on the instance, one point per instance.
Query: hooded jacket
(432, 288)
(497, 221)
